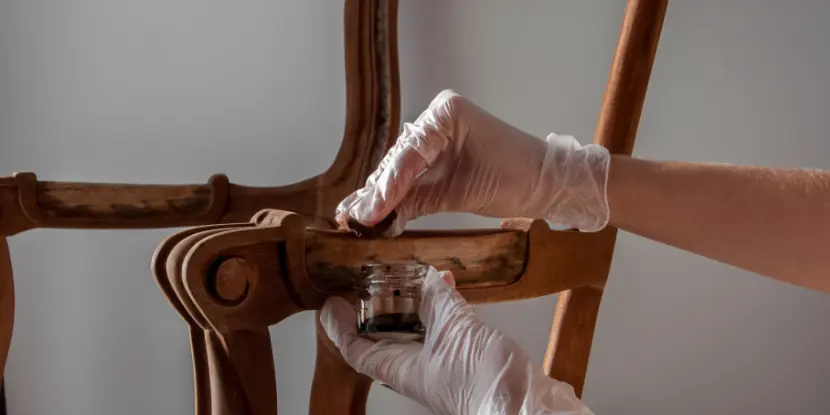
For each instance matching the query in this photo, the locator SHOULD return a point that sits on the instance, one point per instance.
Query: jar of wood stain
(388, 299)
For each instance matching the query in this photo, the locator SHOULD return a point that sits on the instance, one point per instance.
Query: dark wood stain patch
(333, 261)
(128, 202)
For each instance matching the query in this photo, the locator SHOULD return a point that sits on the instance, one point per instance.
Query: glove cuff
(574, 184)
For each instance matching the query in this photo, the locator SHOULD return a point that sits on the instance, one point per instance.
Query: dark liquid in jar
(400, 326)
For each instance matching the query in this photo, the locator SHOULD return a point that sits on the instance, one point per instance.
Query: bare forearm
(775, 222)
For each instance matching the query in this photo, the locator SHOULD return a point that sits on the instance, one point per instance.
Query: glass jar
(388, 299)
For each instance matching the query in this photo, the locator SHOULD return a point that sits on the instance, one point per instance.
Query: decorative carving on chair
(265, 253)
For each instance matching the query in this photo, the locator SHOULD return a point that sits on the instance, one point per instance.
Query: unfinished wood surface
(337, 389)
(269, 298)
(249, 355)
(234, 366)
(625, 93)
(227, 395)
(266, 299)
(232, 279)
(230, 359)
(198, 336)
(569, 347)
(572, 333)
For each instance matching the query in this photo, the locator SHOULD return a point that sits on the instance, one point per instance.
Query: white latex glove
(457, 157)
(463, 367)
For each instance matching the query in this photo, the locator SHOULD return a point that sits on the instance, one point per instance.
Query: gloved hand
(457, 157)
(463, 367)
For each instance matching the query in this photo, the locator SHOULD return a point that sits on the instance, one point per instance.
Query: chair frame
(260, 254)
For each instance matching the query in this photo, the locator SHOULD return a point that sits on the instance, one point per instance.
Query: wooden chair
(264, 254)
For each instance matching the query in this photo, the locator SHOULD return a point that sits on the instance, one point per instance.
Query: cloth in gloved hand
(464, 367)
(456, 157)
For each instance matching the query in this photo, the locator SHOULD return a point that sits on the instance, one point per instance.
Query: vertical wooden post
(338, 389)
(249, 359)
(576, 312)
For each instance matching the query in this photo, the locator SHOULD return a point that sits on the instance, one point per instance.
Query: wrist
(576, 184)
(626, 177)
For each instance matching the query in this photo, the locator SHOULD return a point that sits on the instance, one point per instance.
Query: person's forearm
(775, 222)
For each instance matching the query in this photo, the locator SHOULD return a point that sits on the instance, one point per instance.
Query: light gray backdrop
(171, 91)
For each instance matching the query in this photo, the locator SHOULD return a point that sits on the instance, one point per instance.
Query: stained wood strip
(488, 258)
(112, 205)
(114, 201)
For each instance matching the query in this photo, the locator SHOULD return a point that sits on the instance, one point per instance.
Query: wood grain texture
(269, 298)
(297, 268)
(575, 318)
(556, 261)
(233, 365)
(250, 357)
(198, 336)
(625, 93)
(372, 119)
(231, 281)
(105, 205)
(486, 258)
(105, 201)
(227, 396)
(336, 389)
(569, 348)
(524, 260)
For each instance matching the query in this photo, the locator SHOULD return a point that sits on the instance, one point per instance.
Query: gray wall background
(171, 91)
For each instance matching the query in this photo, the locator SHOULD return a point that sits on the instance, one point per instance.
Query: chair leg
(198, 341)
(571, 336)
(201, 371)
(247, 360)
(337, 389)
